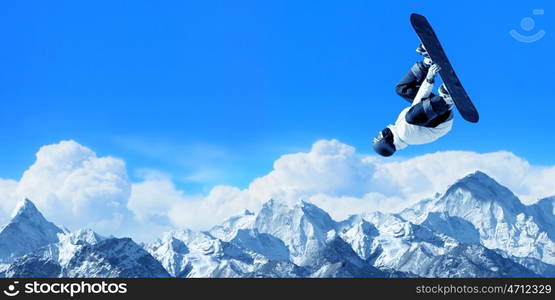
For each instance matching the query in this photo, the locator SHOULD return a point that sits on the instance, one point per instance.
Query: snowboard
(430, 41)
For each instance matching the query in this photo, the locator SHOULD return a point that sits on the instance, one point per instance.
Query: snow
(27, 230)
(477, 228)
(501, 220)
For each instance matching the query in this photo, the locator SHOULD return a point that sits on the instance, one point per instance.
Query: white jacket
(405, 134)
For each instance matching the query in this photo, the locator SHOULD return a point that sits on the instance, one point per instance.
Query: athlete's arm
(427, 86)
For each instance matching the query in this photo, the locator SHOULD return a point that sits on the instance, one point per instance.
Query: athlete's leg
(408, 86)
(430, 112)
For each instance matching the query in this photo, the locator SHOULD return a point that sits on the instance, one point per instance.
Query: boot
(444, 94)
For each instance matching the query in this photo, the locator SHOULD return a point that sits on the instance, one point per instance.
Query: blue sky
(215, 91)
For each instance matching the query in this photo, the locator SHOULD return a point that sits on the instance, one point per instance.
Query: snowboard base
(430, 41)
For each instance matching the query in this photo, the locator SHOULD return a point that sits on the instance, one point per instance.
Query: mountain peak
(27, 213)
(484, 188)
(475, 180)
(25, 208)
(28, 230)
(478, 176)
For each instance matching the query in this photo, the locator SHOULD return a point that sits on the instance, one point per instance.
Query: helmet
(383, 143)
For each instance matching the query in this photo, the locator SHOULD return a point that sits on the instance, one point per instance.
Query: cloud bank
(73, 186)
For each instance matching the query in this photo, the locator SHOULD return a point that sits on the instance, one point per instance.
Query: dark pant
(431, 111)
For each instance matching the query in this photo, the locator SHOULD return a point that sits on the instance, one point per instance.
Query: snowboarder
(429, 116)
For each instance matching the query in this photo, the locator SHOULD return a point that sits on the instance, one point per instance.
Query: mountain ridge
(477, 228)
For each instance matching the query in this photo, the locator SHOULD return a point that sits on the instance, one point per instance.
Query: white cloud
(343, 182)
(204, 212)
(342, 207)
(74, 187)
(154, 198)
(420, 177)
(330, 167)
(8, 198)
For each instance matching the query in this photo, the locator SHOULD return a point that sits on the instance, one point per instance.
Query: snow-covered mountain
(279, 242)
(477, 228)
(86, 254)
(28, 230)
(477, 209)
(33, 247)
